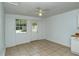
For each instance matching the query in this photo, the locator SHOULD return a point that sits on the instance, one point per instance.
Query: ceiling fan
(13, 3)
(41, 11)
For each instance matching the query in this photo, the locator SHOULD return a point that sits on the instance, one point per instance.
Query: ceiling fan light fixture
(40, 14)
(40, 11)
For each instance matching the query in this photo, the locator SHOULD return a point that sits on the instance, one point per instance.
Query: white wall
(13, 39)
(61, 27)
(58, 28)
(2, 42)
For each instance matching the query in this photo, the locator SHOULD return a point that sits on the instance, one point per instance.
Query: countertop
(75, 35)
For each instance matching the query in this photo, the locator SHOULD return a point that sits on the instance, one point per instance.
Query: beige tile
(39, 48)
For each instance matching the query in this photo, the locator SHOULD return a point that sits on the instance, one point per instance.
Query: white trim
(16, 43)
(58, 43)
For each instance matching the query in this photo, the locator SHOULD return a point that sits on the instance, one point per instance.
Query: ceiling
(29, 8)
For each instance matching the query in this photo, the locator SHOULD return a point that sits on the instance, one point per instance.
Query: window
(21, 26)
(34, 27)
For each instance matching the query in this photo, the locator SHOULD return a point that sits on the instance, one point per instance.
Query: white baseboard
(59, 43)
(18, 43)
(10, 45)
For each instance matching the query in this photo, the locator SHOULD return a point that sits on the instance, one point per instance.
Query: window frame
(20, 26)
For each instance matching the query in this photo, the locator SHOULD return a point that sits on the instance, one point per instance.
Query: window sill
(20, 32)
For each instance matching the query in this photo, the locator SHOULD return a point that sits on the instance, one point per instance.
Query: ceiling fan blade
(13, 3)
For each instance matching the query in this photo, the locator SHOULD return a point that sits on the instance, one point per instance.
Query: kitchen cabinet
(75, 45)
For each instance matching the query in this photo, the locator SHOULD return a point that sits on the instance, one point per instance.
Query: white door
(34, 30)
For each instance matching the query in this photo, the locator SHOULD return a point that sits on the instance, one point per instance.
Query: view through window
(21, 26)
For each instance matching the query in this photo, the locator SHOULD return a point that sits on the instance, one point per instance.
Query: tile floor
(39, 48)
